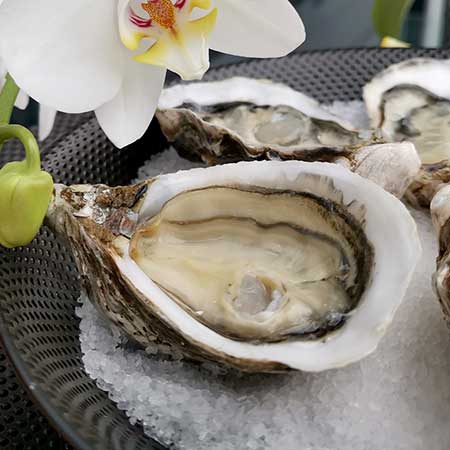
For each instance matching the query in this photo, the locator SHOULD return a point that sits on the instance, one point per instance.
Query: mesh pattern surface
(39, 284)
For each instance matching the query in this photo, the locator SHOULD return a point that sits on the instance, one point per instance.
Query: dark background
(348, 23)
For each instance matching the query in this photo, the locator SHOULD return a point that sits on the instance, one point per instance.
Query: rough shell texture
(101, 277)
(96, 218)
(440, 214)
(392, 166)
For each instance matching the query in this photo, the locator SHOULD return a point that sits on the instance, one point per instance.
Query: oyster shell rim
(188, 130)
(411, 75)
(259, 91)
(324, 354)
(349, 218)
(428, 74)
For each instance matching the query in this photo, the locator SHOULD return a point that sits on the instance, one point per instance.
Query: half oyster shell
(264, 266)
(245, 119)
(411, 101)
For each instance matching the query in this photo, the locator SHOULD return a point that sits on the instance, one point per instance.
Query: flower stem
(8, 97)
(28, 140)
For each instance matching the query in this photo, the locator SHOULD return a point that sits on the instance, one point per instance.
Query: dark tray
(39, 284)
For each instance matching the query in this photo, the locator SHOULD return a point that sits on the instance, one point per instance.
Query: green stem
(8, 97)
(28, 140)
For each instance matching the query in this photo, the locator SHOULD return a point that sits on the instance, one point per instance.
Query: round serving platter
(40, 286)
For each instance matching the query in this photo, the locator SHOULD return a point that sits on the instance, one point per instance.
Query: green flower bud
(25, 191)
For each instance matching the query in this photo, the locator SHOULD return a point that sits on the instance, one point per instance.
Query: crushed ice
(354, 112)
(396, 398)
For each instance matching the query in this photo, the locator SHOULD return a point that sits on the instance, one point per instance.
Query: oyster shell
(264, 266)
(440, 214)
(245, 119)
(411, 101)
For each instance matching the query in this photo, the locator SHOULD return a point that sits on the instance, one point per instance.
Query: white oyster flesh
(411, 101)
(261, 261)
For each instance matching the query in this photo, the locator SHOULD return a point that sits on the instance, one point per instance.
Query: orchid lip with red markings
(180, 41)
(139, 21)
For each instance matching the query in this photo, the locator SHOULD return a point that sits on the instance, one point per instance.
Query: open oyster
(264, 266)
(245, 119)
(411, 101)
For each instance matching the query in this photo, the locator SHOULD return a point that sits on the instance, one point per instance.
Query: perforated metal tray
(39, 284)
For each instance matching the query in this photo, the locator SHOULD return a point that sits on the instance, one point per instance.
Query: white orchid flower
(47, 115)
(22, 99)
(111, 56)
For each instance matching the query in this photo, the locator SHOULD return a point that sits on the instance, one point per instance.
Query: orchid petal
(127, 116)
(257, 28)
(22, 100)
(47, 116)
(66, 56)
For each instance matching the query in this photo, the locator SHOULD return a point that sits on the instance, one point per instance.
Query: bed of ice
(398, 398)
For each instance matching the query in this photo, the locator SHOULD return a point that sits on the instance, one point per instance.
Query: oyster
(411, 101)
(440, 214)
(245, 119)
(263, 266)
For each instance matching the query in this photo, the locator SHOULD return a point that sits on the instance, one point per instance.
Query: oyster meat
(245, 119)
(263, 266)
(411, 101)
(255, 263)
